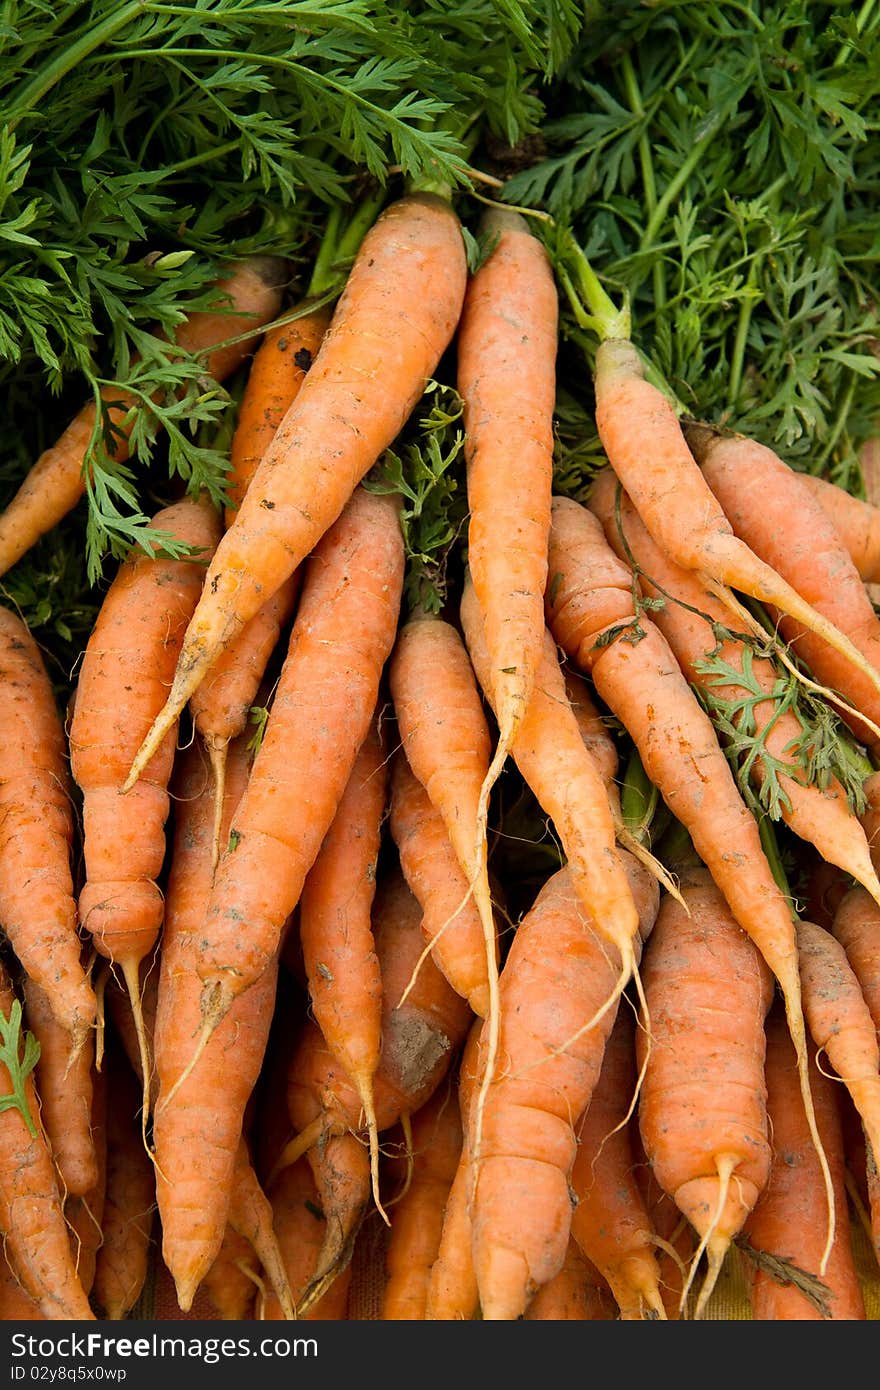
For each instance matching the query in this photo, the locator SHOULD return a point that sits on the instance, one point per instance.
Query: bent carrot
(811, 558)
(820, 815)
(57, 480)
(783, 1236)
(37, 904)
(559, 972)
(127, 664)
(591, 609)
(702, 1105)
(394, 319)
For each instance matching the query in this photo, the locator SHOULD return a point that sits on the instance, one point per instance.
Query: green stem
(838, 426)
(338, 247)
(649, 183)
(862, 18)
(638, 798)
(674, 187)
(31, 92)
(774, 859)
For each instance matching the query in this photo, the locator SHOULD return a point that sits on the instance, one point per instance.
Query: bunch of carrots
(291, 1008)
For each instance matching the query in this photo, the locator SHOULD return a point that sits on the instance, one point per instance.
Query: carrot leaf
(18, 1066)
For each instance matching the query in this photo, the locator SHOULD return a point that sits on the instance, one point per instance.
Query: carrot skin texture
(409, 277)
(820, 815)
(786, 1221)
(196, 1130)
(610, 1222)
(65, 1090)
(56, 481)
(130, 1198)
(557, 974)
(703, 1096)
(37, 904)
(856, 522)
(328, 691)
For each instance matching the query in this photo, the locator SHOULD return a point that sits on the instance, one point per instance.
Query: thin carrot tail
(209, 1023)
(187, 680)
(296, 1147)
(130, 972)
(217, 753)
(652, 864)
(791, 992)
(364, 1086)
(713, 1245)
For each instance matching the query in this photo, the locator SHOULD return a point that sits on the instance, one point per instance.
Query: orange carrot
(820, 815)
(130, 1198)
(674, 1235)
(15, 1304)
(392, 323)
(506, 374)
(702, 1105)
(250, 1214)
(783, 1236)
(558, 973)
(336, 931)
(856, 522)
(302, 1230)
(220, 705)
(648, 451)
(591, 610)
(198, 1121)
(812, 559)
(856, 925)
(37, 903)
(610, 1222)
(85, 1215)
(414, 1240)
(450, 920)
(577, 1293)
(231, 1283)
(57, 480)
(31, 1218)
(326, 695)
(125, 670)
(65, 1090)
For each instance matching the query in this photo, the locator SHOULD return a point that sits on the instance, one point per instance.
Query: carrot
(452, 1293)
(820, 815)
(558, 972)
(31, 1216)
(702, 1111)
(856, 925)
(856, 522)
(421, 1035)
(782, 1239)
(326, 696)
(436, 1138)
(590, 610)
(446, 740)
(871, 815)
(610, 1222)
(119, 1017)
(57, 480)
(232, 1283)
(250, 1214)
(594, 730)
(841, 1025)
(37, 904)
(128, 661)
(198, 1121)
(65, 1090)
(301, 1228)
(15, 1304)
(130, 1198)
(577, 1293)
(506, 374)
(336, 931)
(220, 705)
(810, 557)
(648, 451)
(674, 1235)
(85, 1215)
(450, 920)
(394, 319)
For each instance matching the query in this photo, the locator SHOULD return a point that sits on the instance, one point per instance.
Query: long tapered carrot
(198, 1121)
(37, 903)
(324, 701)
(65, 1090)
(394, 319)
(57, 480)
(250, 1214)
(648, 451)
(702, 1104)
(812, 559)
(336, 930)
(220, 705)
(35, 1234)
(591, 609)
(559, 973)
(127, 664)
(820, 815)
(784, 1233)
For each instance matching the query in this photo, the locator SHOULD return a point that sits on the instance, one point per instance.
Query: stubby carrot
(647, 449)
(37, 903)
(394, 320)
(57, 480)
(591, 611)
(122, 1261)
(784, 1234)
(820, 815)
(128, 662)
(220, 705)
(702, 1104)
(610, 1221)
